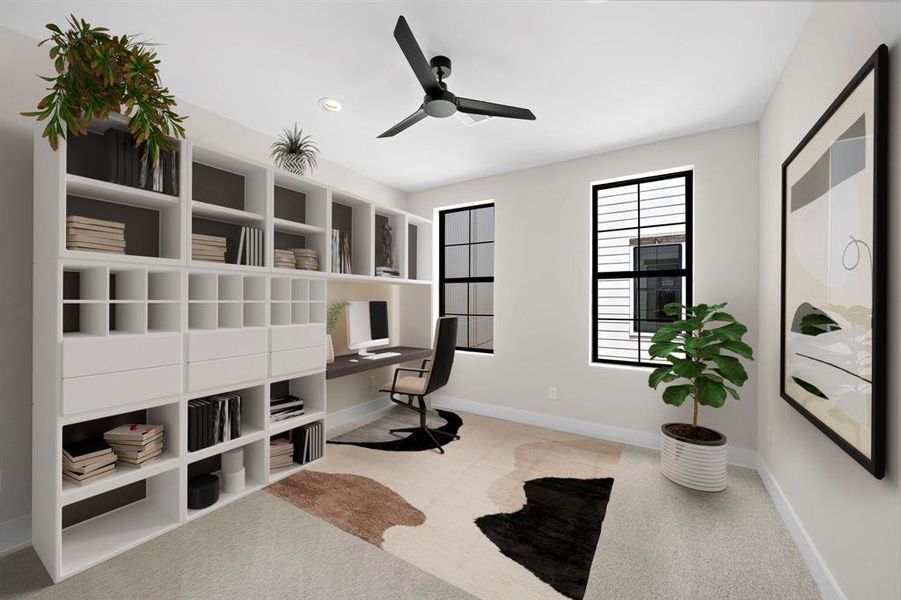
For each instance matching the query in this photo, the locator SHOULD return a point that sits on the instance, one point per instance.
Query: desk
(343, 365)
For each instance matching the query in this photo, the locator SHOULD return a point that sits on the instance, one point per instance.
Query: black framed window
(466, 274)
(641, 262)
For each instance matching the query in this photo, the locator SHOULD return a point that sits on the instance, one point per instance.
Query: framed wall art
(834, 251)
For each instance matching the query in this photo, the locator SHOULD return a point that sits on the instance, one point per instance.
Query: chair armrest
(398, 370)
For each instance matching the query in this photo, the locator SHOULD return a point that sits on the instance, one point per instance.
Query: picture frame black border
(687, 271)
(442, 279)
(877, 63)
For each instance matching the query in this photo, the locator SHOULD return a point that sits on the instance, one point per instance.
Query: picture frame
(833, 273)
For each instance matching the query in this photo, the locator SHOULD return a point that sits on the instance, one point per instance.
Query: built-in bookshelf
(136, 337)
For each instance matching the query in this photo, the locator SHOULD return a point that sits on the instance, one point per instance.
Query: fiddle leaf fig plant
(703, 348)
(98, 73)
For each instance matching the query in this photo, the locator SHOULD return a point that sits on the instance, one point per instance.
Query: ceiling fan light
(330, 104)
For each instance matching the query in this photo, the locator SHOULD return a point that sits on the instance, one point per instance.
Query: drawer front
(212, 345)
(120, 353)
(295, 361)
(227, 371)
(94, 392)
(290, 337)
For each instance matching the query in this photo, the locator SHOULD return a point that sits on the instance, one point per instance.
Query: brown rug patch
(359, 505)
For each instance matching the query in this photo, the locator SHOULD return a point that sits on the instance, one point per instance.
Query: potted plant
(703, 348)
(334, 311)
(98, 74)
(294, 151)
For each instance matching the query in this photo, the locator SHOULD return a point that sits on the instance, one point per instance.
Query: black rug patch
(556, 533)
(418, 440)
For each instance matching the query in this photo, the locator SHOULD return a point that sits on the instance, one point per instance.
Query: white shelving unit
(123, 338)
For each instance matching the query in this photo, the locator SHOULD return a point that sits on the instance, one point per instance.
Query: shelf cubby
(280, 313)
(300, 215)
(254, 473)
(253, 421)
(203, 315)
(397, 222)
(164, 286)
(353, 216)
(104, 525)
(419, 249)
(300, 313)
(163, 317)
(310, 388)
(127, 317)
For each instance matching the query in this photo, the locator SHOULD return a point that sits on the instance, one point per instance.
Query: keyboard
(382, 355)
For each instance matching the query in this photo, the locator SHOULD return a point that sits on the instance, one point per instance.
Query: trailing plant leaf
(97, 74)
(810, 388)
(694, 347)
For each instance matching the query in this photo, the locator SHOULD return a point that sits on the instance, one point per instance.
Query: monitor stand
(364, 352)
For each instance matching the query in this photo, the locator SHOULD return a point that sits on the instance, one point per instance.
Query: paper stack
(136, 444)
(87, 461)
(306, 259)
(280, 451)
(210, 248)
(95, 235)
(284, 259)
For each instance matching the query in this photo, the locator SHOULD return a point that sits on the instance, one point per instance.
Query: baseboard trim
(342, 420)
(826, 583)
(742, 457)
(15, 534)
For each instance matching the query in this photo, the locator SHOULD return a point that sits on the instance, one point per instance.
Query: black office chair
(426, 380)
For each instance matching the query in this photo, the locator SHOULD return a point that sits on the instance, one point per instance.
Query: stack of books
(308, 442)
(250, 247)
(87, 461)
(387, 272)
(136, 444)
(285, 407)
(95, 235)
(210, 248)
(213, 420)
(280, 453)
(306, 259)
(284, 259)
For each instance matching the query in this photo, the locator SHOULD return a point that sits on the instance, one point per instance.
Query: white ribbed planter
(696, 465)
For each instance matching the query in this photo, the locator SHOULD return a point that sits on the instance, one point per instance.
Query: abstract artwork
(833, 269)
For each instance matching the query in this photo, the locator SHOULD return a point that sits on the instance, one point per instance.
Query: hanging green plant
(294, 151)
(98, 73)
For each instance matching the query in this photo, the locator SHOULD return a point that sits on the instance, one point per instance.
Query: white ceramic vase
(699, 465)
(330, 349)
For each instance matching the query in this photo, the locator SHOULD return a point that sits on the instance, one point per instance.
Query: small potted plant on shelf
(334, 312)
(703, 348)
(97, 74)
(294, 151)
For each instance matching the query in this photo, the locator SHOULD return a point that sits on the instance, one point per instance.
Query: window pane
(462, 332)
(456, 261)
(456, 227)
(614, 250)
(657, 257)
(616, 340)
(651, 295)
(482, 260)
(482, 224)
(455, 298)
(481, 332)
(614, 298)
(481, 298)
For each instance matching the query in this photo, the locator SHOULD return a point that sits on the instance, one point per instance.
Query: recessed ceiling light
(330, 104)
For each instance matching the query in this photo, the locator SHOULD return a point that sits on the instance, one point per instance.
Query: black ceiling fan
(438, 101)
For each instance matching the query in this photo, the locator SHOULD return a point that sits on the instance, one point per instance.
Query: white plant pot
(693, 464)
(330, 350)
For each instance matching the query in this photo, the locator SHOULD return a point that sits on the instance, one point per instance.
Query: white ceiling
(598, 75)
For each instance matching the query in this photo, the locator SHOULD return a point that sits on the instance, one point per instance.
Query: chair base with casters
(425, 381)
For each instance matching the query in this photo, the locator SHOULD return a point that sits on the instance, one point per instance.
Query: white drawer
(94, 392)
(111, 354)
(226, 371)
(210, 345)
(288, 337)
(295, 361)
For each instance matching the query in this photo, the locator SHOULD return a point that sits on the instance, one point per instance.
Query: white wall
(853, 520)
(20, 90)
(543, 282)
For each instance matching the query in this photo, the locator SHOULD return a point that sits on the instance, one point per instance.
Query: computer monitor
(367, 325)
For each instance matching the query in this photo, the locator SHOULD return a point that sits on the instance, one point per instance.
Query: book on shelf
(284, 259)
(387, 272)
(213, 420)
(280, 453)
(341, 261)
(95, 235)
(306, 259)
(285, 407)
(211, 248)
(84, 479)
(86, 450)
(89, 466)
(251, 251)
(129, 164)
(136, 444)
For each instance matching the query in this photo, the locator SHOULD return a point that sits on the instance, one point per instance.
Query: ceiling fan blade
(413, 119)
(480, 107)
(415, 57)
